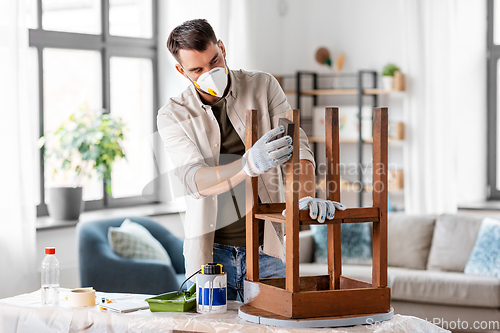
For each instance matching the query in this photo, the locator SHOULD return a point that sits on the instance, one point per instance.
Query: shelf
(322, 139)
(379, 92)
(319, 92)
(369, 188)
(345, 186)
(329, 92)
(389, 139)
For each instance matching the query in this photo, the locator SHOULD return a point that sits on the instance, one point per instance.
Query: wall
(363, 30)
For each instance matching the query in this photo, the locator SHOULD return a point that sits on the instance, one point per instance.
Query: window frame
(493, 56)
(108, 46)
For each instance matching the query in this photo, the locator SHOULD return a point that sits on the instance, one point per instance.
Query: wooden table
(25, 313)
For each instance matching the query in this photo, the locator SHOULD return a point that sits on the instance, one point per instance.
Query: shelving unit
(359, 88)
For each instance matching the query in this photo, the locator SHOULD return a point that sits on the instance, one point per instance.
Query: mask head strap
(225, 64)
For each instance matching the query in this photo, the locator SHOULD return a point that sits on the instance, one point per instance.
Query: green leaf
(389, 70)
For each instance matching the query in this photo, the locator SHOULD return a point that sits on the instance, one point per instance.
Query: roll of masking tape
(81, 297)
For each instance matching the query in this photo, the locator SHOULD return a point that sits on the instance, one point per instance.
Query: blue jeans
(233, 258)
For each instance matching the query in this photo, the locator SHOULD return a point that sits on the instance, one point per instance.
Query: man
(203, 131)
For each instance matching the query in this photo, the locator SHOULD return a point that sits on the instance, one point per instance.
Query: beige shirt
(191, 135)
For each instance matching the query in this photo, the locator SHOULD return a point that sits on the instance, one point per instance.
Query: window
(493, 77)
(99, 54)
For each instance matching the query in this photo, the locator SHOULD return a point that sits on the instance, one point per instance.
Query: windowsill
(47, 223)
(481, 205)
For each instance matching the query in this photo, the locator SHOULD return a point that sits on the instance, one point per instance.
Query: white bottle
(212, 289)
(50, 277)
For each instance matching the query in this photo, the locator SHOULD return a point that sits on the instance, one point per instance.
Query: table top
(25, 313)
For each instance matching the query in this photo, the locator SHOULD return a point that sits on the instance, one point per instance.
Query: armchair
(104, 270)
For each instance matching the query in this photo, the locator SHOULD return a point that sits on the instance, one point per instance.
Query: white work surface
(25, 313)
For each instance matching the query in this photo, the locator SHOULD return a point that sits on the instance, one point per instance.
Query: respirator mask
(213, 82)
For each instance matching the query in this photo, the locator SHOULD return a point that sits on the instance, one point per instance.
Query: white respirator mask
(213, 82)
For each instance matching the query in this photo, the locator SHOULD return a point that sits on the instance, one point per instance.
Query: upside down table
(24, 313)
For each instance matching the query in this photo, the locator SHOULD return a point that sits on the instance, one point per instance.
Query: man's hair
(191, 35)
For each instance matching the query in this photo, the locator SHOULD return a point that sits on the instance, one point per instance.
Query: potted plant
(388, 76)
(88, 141)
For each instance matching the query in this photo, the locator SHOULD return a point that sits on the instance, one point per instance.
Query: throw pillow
(409, 239)
(485, 256)
(131, 240)
(452, 242)
(356, 243)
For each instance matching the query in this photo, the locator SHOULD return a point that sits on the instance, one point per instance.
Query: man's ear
(222, 47)
(180, 69)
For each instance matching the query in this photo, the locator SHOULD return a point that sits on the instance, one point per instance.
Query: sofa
(105, 270)
(426, 257)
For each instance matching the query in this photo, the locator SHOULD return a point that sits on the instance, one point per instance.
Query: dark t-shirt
(231, 225)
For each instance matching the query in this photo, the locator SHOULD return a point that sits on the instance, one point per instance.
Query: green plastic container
(171, 302)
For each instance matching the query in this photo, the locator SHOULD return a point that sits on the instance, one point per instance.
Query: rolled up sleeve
(278, 105)
(188, 179)
(182, 152)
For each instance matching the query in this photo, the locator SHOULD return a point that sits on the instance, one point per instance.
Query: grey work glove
(326, 208)
(267, 153)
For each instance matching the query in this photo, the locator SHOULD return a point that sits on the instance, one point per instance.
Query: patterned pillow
(356, 243)
(485, 256)
(131, 240)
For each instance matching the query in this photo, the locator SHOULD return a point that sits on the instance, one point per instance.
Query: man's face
(195, 63)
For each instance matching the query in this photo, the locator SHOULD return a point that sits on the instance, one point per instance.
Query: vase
(399, 81)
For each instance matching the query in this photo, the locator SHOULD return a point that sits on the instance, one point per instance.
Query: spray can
(212, 289)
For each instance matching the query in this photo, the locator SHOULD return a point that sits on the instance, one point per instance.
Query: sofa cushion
(131, 240)
(424, 286)
(451, 288)
(485, 256)
(356, 243)
(452, 242)
(409, 239)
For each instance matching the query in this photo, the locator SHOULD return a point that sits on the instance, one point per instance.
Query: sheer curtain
(18, 271)
(444, 102)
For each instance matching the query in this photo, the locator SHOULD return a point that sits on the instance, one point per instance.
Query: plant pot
(65, 203)
(387, 82)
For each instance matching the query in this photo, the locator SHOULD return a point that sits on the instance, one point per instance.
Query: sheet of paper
(125, 306)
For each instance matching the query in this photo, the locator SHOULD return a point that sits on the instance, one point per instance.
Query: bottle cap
(212, 269)
(50, 250)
